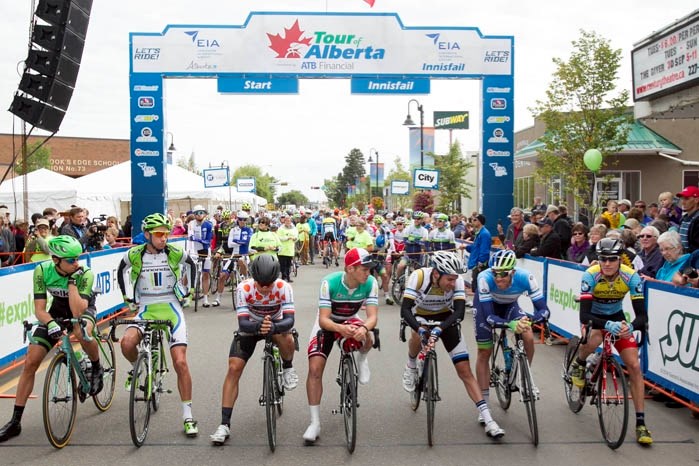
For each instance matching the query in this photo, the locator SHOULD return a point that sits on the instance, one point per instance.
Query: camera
(690, 272)
(96, 233)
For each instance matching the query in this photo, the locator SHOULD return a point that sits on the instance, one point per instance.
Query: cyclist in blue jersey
(495, 303)
(200, 232)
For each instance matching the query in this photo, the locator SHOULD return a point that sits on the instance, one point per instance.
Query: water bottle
(507, 353)
(592, 360)
(84, 362)
(277, 357)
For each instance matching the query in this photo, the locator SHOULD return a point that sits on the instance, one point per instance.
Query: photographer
(688, 275)
(90, 237)
(37, 249)
(96, 230)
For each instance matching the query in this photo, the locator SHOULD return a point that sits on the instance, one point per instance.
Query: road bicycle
(329, 254)
(398, 285)
(510, 372)
(67, 381)
(348, 379)
(148, 374)
(605, 385)
(427, 383)
(272, 397)
(199, 259)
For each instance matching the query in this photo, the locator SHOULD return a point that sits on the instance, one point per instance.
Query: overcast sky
(302, 139)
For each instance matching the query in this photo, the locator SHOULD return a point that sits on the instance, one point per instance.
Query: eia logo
(202, 43)
(443, 44)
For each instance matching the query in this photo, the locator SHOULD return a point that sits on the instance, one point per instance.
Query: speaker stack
(51, 68)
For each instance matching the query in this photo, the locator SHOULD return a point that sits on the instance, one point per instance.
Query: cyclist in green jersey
(70, 285)
(154, 273)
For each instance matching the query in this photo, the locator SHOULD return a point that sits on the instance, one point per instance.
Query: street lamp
(377, 172)
(409, 122)
(170, 149)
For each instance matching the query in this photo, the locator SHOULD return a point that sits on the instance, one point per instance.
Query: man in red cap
(689, 228)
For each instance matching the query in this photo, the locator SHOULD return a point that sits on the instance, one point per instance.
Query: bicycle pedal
(168, 391)
(336, 411)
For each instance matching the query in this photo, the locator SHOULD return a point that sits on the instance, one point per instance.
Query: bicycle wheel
(103, 400)
(397, 289)
(348, 402)
(197, 287)
(416, 395)
(612, 403)
(268, 396)
(498, 377)
(159, 371)
(528, 397)
(279, 389)
(60, 403)
(139, 401)
(430, 394)
(574, 396)
(215, 275)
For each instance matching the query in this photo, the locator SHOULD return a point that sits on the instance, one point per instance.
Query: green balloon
(593, 159)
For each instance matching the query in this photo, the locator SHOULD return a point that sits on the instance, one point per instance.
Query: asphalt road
(389, 432)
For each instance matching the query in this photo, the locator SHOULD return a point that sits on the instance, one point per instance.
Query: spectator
(629, 256)
(596, 233)
(7, 242)
(21, 233)
(662, 224)
(612, 214)
(112, 221)
(687, 276)
(670, 246)
(603, 221)
(76, 229)
(530, 240)
(668, 207)
(178, 228)
(457, 227)
(635, 213)
(689, 228)
(550, 245)
(37, 249)
(479, 248)
(641, 205)
(653, 210)
(513, 237)
(624, 208)
(127, 227)
(536, 216)
(579, 244)
(561, 225)
(538, 205)
(110, 238)
(649, 252)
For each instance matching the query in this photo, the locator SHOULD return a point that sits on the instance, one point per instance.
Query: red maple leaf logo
(289, 46)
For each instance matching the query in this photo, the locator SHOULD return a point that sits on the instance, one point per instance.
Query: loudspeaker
(37, 113)
(53, 62)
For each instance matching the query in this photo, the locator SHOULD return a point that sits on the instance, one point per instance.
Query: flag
(370, 2)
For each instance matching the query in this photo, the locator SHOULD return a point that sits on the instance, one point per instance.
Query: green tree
(188, 164)
(264, 183)
(294, 197)
(453, 168)
(352, 172)
(38, 157)
(583, 110)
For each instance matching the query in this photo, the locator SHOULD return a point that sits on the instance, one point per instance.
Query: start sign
(425, 179)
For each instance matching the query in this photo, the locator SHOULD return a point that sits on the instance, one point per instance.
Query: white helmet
(447, 263)
(242, 215)
(199, 207)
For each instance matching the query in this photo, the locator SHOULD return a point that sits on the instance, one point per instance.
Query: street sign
(390, 86)
(400, 188)
(245, 185)
(261, 85)
(425, 179)
(216, 177)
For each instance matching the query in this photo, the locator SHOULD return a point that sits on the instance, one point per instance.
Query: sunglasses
(71, 260)
(160, 234)
(501, 273)
(640, 206)
(199, 212)
(578, 233)
(646, 236)
(608, 258)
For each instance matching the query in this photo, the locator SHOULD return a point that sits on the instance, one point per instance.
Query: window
(524, 192)
(690, 178)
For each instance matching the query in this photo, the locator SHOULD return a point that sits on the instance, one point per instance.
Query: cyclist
(200, 232)
(154, 275)
(383, 241)
(264, 304)
(415, 237)
(223, 230)
(342, 295)
(437, 293)
(70, 286)
(602, 290)
(247, 208)
(239, 242)
(264, 241)
(329, 233)
(441, 237)
(495, 304)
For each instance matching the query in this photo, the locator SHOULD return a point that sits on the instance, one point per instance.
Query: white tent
(45, 189)
(103, 192)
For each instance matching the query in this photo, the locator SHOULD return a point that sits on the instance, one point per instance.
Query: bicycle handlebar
(66, 324)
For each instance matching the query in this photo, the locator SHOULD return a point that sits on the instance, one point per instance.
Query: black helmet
(609, 247)
(265, 269)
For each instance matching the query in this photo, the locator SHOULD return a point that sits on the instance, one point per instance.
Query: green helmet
(378, 219)
(226, 215)
(153, 221)
(443, 217)
(65, 247)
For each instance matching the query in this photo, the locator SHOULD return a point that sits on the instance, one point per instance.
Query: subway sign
(451, 120)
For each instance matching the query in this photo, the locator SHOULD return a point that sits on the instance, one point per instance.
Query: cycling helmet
(609, 247)
(265, 269)
(444, 217)
(417, 215)
(226, 214)
(400, 220)
(65, 247)
(154, 221)
(242, 215)
(504, 259)
(353, 211)
(447, 263)
(198, 208)
(378, 220)
(246, 206)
